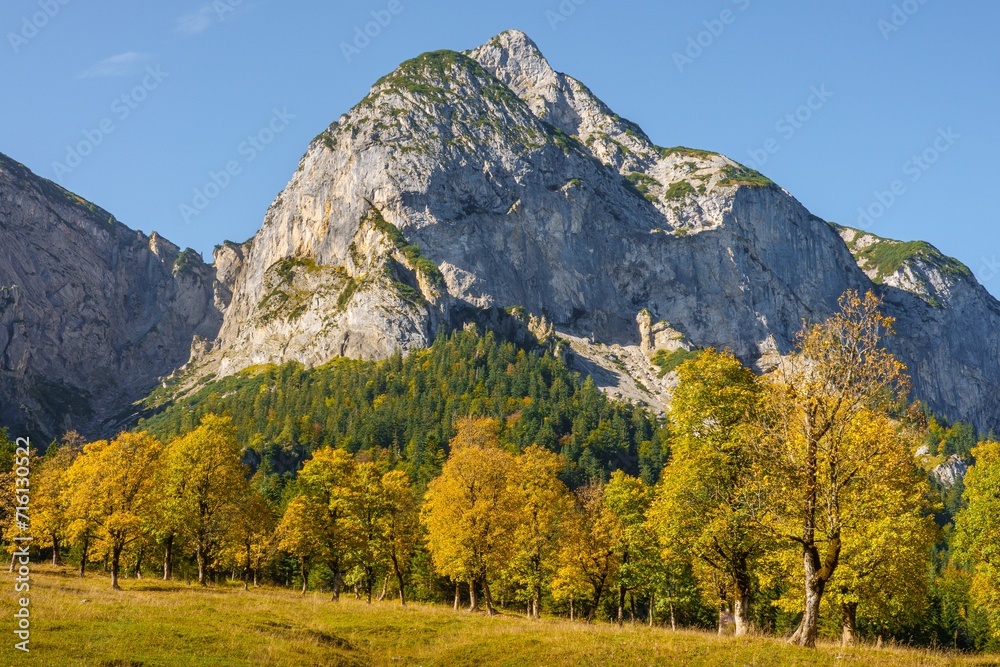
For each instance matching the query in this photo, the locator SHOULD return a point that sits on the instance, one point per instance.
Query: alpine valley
(468, 187)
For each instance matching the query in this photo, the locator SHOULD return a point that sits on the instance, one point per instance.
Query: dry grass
(155, 623)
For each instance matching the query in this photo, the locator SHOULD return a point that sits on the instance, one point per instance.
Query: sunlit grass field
(155, 623)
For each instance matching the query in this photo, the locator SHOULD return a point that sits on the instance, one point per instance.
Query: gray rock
(528, 192)
(92, 313)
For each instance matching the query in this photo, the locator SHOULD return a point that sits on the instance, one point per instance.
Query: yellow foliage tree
(203, 484)
(588, 557)
(402, 526)
(251, 532)
(300, 533)
(707, 509)
(977, 531)
(544, 503)
(469, 511)
(111, 490)
(839, 378)
(49, 517)
(326, 480)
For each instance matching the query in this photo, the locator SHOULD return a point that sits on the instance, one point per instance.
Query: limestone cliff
(486, 181)
(92, 313)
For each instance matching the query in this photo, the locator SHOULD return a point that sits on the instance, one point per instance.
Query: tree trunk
(598, 592)
(652, 602)
(55, 549)
(473, 600)
(489, 598)
(304, 574)
(571, 609)
(116, 556)
(399, 578)
(402, 588)
(849, 623)
(168, 552)
(337, 583)
(621, 603)
(457, 595)
(385, 588)
(536, 601)
(83, 556)
(200, 556)
(817, 575)
(741, 616)
(673, 621)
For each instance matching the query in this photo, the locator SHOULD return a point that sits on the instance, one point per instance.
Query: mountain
(92, 313)
(484, 187)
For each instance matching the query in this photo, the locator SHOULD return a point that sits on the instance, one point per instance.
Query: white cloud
(119, 65)
(197, 21)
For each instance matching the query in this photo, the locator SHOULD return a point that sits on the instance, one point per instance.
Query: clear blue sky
(230, 64)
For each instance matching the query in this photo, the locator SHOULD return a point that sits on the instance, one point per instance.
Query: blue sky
(883, 106)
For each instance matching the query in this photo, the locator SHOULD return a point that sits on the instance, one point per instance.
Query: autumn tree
(625, 504)
(977, 531)
(469, 511)
(544, 503)
(325, 480)
(119, 490)
(204, 483)
(250, 535)
(839, 377)
(707, 509)
(49, 518)
(300, 533)
(588, 558)
(80, 498)
(367, 512)
(885, 560)
(401, 526)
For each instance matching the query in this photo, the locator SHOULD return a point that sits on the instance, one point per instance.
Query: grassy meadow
(155, 623)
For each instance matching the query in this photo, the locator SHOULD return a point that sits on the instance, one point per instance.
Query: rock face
(485, 180)
(92, 313)
(480, 186)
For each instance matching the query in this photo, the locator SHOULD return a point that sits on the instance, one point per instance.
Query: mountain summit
(485, 186)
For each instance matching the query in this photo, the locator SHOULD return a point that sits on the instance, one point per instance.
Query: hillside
(82, 623)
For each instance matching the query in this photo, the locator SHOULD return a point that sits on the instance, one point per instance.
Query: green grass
(643, 182)
(669, 361)
(744, 176)
(679, 190)
(684, 151)
(77, 623)
(411, 251)
(887, 257)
